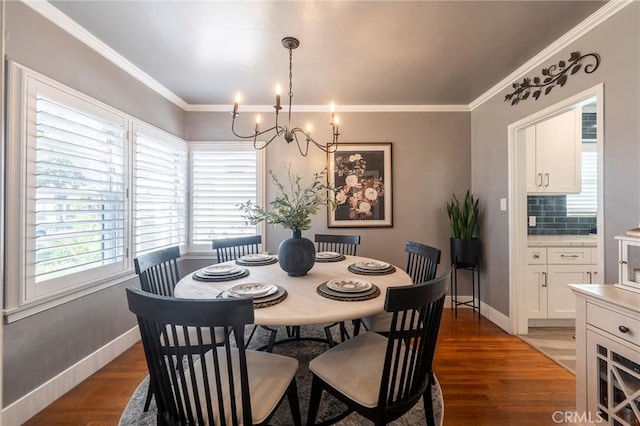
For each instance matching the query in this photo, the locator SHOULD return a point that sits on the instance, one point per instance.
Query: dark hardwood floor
(487, 377)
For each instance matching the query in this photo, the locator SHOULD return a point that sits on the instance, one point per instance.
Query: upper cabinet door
(556, 166)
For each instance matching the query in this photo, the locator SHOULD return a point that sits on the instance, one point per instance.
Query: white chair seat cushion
(354, 367)
(380, 322)
(269, 378)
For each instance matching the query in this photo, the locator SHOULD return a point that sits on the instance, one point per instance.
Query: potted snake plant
(463, 218)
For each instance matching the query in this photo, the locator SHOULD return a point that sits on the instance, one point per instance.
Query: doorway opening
(520, 184)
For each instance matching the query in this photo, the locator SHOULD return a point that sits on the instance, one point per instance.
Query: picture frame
(361, 173)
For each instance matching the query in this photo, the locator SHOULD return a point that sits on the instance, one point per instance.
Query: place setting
(329, 256)
(263, 294)
(257, 259)
(220, 272)
(371, 267)
(348, 289)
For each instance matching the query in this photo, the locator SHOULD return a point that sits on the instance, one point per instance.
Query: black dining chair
(422, 265)
(158, 270)
(223, 385)
(158, 273)
(343, 244)
(232, 248)
(383, 377)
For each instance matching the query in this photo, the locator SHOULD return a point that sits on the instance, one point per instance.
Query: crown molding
(605, 12)
(339, 108)
(53, 14)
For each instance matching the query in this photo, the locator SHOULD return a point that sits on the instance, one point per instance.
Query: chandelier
(288, 132)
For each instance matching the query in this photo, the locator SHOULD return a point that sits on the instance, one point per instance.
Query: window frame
(200, 249)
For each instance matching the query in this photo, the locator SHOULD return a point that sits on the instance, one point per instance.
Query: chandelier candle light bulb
(287, 132)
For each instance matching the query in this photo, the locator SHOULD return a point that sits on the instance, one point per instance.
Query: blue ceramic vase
(296, 255)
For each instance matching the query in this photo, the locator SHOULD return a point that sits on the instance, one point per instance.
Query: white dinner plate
(349, 285)
(372, 265)
(327, 255)
(257, 257)
(252, 290)
(221, 269)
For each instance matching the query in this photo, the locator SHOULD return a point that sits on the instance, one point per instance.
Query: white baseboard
(36, 400)
(493, 315)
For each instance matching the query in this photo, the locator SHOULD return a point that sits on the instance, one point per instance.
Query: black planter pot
(465, 253)
(296, 255)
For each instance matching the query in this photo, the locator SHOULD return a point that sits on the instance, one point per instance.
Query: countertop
(563, 240)
(612, 294)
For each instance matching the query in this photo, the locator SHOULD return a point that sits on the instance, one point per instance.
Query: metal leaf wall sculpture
(555, 75)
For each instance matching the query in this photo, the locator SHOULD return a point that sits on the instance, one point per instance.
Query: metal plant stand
(475, 280)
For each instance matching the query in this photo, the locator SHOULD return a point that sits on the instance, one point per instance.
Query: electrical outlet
(532, 221)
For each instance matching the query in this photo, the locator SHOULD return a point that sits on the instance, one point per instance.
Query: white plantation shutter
(586, 202)
(160, 191)
(223, 175)
(77, 196)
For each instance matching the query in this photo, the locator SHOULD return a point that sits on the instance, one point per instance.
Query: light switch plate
(503, 204)
(532, 221)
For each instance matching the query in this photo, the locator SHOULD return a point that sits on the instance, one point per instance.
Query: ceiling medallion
(556, 75)
(288, 133)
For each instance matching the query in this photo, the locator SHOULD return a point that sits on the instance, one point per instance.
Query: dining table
(315, 298)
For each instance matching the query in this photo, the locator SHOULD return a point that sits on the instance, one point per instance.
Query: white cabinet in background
(608, 354)
(549, 271)
(554, 154)
(629, 261)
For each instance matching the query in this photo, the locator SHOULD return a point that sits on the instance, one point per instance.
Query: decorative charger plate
(349, 285)
(255, 290)
(342, 296)
(372, 265)
(200, 276)
(261, 302)
(257, 257)
(327, 254)
(221, 269)
(356, 270)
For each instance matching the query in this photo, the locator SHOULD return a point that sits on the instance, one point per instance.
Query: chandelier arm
(323, 147)
(295, 135)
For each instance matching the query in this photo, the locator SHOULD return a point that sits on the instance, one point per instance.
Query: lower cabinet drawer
(568, 256)
(619, 325)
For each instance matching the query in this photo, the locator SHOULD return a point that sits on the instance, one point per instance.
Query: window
(88, 188)
(223, 175)
(586, 202)
(160, 190)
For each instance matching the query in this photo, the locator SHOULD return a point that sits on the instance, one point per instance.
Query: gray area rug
(557, 343)
(303, 351)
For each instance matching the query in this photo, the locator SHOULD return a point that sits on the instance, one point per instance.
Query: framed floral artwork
(361, 175)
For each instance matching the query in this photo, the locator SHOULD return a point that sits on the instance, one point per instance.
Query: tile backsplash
(551, 217)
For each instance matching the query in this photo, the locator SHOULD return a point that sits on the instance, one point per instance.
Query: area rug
(557, 343)
(304, 351)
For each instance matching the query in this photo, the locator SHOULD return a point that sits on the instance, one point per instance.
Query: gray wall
(430, 153)
(43, 345)
(617, 42)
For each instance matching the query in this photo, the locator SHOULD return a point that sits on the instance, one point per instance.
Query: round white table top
(303, 305)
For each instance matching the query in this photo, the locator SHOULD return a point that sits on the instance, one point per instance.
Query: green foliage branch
(294, 205)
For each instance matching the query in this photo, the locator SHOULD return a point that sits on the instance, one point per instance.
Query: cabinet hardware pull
(546, 177)
(536, 256)
(590, 278)
(623, 262)
(569, 255)
(544, 279)
(540, 176)
(623, 329)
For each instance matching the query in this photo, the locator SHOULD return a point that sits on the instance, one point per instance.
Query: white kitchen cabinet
(629, 261)
(607, 354)
(549, 271)
(554, 154)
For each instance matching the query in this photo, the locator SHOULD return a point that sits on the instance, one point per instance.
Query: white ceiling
(353, 52)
